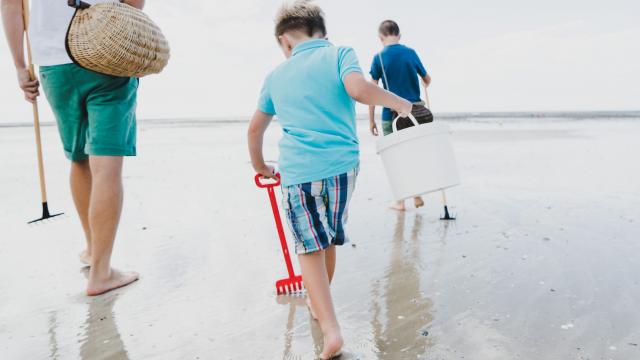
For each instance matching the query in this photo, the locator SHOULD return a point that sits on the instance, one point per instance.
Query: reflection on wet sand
(101, 337)
(53, 338)
(403, 332)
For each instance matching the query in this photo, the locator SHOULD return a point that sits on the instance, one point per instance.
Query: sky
(494, 55)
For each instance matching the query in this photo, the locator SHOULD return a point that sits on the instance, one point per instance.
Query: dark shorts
(420, 112)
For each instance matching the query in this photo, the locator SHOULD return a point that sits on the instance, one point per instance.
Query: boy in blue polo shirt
(313, 94)
(399, 68)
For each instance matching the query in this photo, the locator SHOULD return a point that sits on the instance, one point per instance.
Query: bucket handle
(394, 125)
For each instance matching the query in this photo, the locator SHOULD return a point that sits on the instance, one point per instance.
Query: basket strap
(384, 73)
(78, 4)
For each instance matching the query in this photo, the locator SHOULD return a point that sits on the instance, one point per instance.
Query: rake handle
(279, 227)
(36, 112)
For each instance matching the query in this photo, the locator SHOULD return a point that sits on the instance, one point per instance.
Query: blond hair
(300, 15)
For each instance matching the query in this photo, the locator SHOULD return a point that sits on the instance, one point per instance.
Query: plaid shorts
(318, 211)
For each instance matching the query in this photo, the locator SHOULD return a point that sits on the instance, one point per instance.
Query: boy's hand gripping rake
(36, 124)
(292, 284)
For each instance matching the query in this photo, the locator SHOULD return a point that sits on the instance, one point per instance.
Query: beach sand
(542, 262)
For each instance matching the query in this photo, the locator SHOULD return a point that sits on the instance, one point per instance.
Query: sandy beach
(542, 262)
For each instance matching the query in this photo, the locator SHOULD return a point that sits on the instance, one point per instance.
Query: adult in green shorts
(97, 123)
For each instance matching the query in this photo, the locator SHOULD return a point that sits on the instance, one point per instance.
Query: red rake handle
(276, 216)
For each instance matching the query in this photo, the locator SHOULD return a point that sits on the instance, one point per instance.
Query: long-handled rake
(292, 284)
(36, 123)
(444, 195)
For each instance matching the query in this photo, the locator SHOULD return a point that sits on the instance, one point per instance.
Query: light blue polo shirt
(317, 115)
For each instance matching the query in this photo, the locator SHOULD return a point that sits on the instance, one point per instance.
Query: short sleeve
(265, 103)
(419, 67)
(348, 62)
(376, 70)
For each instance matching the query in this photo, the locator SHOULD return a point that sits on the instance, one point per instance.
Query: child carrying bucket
(313, 94)
(399, 67)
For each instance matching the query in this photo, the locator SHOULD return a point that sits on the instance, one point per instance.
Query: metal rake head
(290, 286)
(45, 215)
(446, 214)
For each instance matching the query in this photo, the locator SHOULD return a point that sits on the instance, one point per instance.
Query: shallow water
(541, 263)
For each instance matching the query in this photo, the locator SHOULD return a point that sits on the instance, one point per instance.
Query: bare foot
(418, 202)
(399, 205)
(84, 257)
(313, 313)
(116, 279)
(332, 345)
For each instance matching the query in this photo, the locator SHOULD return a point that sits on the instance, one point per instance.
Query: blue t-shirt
(402, 64)
(317, 115)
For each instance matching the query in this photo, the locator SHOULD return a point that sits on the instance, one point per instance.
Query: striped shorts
(318, 211)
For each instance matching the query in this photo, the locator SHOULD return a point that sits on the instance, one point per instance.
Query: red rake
(293, 284)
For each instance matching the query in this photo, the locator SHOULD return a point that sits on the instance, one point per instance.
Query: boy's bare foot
(332, 345)
(116, 279)
(313, 313)
(84, 257)
(398, 205)
(418, 202)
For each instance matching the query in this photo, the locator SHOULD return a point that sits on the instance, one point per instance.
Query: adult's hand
(28, 86)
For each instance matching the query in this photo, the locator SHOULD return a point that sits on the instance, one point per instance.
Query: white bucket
(419, 159)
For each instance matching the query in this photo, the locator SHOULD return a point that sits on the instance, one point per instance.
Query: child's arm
(369, 94)
(372, 115)
(426, 80)
(258, 125)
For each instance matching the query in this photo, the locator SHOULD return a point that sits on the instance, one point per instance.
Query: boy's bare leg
(330, 262)
(398, 205)
(80, 180)
(104, 216)
(418, 202)
(316, 279)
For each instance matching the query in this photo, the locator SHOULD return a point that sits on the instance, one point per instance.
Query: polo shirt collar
(311, 44)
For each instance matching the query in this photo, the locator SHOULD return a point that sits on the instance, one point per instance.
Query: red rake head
(288, 286)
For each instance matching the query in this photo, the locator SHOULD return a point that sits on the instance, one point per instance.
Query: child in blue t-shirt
(399, 68)
(313, 94)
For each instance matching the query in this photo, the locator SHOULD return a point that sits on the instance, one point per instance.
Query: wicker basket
(116, 39)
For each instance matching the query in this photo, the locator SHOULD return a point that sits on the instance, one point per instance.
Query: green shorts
(96, 113)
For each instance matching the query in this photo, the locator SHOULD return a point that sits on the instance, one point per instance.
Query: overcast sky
(494, 55)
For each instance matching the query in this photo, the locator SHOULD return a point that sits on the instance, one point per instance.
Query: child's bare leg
(330, 262)
(316, 280)
(418, 201)
(398, 205)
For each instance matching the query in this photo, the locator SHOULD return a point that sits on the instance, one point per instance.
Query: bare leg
(80, 180)
(330, 262)
(398, 205)
(418, 202)
(104, 216)
(314, 272)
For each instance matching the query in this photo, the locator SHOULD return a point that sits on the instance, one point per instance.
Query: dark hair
(389, 28)
(301, 15)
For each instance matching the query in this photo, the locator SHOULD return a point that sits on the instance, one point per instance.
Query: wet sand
(542, 262)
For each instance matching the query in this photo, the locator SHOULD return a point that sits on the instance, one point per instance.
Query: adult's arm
(135, 3)
(367, 93)
(257, 127)
(13, 24)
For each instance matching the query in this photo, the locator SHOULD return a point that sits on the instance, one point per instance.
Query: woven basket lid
(117, 39)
